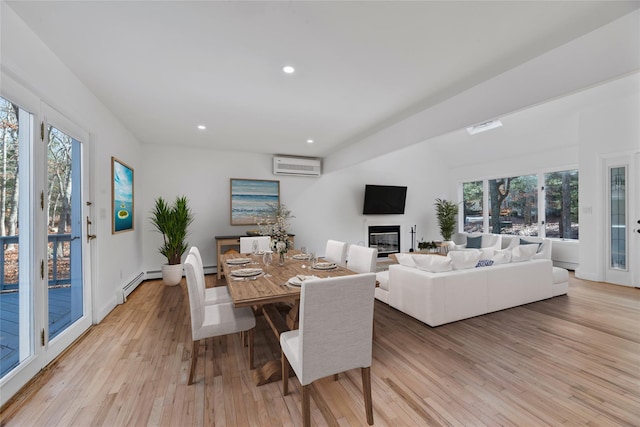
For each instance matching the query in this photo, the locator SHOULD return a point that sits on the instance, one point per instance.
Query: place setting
(297, 280)
(238, 261)
(246, 273)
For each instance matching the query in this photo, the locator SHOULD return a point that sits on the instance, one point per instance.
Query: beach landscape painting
(121, 196)
(250, 199)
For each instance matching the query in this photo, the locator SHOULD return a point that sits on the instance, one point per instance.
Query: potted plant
(446, 213)
(172, 221)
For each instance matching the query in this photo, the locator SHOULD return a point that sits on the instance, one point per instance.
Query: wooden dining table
(270, 294)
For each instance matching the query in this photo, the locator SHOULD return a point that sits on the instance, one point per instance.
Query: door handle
(90, 236)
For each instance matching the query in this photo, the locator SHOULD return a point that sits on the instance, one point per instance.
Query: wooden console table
(232, 242)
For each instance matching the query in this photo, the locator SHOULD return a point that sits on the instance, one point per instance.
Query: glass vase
(281, 259)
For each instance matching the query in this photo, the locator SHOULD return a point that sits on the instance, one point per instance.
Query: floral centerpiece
(275, 223)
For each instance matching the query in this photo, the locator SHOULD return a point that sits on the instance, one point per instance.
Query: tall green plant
(446, 213)
(172, 221)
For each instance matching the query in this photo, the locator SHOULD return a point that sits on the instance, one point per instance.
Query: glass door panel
(64, 225)
(16, 291)
(618, 217)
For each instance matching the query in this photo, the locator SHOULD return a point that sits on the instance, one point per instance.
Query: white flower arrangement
(275, 223)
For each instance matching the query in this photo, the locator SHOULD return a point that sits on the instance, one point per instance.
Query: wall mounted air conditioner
(300, 166)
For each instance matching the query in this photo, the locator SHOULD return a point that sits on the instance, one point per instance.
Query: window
(561, 204)
(513, 205)
(472, 193)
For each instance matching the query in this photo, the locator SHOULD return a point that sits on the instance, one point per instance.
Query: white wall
(28, 62)
(607, 128)
(329, 207)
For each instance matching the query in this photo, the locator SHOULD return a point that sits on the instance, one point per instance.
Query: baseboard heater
(129, 287)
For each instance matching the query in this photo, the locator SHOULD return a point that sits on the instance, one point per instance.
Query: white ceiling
(163, 67)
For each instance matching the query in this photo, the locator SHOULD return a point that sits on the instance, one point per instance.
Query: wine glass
(267, 257)
(254, 247)
(303, 251)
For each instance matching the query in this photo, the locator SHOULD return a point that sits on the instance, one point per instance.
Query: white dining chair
(334, 335)
(213, 320)
(246, 244)
(362, 259)
(336, 251)
(215, 295)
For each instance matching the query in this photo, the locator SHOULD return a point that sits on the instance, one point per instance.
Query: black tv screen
(384, 199)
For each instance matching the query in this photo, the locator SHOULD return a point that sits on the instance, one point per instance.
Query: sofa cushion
(502, 257)
(406, 260)
(461, 260)
(433, 263)
(487, 253)
(527, 242)
(523, 253)
(474, 242)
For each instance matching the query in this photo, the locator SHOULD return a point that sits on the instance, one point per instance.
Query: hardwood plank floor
(569, 360)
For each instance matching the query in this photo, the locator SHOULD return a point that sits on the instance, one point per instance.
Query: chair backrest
(336, 251)
(196, 252)
(336, 325)
(199, 271)
(246, 243)
(362, 259)
(196, 297)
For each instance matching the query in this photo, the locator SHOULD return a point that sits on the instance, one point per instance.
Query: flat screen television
(384, 199)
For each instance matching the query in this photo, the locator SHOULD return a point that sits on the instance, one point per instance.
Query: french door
(622, 242)
(45, 295)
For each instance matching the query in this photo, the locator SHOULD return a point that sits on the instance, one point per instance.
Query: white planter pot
(171, 274)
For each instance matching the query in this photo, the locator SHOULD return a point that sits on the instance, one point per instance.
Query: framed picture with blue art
(250, 199)
(121, 196)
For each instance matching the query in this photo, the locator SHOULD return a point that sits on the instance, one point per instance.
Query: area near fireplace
(385, 238)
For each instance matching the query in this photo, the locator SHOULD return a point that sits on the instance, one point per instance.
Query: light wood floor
(570, 360)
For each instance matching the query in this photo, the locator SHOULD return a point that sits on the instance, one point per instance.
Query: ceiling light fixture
(491, 124)
(202, 127)
(309, 141)
(288, 69)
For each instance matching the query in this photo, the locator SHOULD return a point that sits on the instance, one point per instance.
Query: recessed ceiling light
(202, 127)
(491, 124)
(288, 69)
(309, 141)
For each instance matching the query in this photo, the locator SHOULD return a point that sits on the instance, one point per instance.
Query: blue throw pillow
(485, 263)
(526, 242)
(474, 242)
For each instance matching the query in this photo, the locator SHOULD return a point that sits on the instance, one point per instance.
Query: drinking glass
(254, 247)
(313, 259)
(267, 257)
(303, 250)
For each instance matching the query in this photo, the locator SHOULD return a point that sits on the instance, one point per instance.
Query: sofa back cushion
(406, 260)
(461, 260)
(502, 257)
(523, 253)
(432, 263)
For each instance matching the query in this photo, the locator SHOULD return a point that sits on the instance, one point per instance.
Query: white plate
(300, 256)
(246, 272)
(238, 261)
(297, 280)
(325, 266)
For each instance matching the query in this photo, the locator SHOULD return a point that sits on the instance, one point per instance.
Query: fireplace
(385, 238)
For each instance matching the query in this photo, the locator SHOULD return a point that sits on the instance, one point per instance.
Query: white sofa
(487, 241)
(439, 298)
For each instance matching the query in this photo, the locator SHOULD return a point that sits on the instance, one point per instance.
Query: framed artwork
(249, 198)
(121, 196)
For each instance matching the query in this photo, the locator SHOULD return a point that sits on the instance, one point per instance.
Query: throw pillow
(474, 242)
(487, 253)
(464, 259)
(484, 263)
(502, 257)
(527, 242)
(433, 263)
(523, 253)
(406, 260)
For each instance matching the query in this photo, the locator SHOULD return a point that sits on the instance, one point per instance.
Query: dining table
(273, 290)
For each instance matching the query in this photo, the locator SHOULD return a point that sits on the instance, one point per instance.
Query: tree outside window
(561, 204)
(472, 204)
